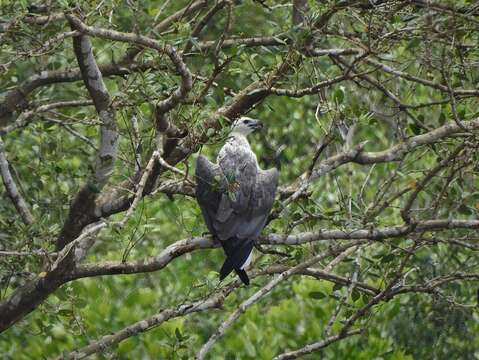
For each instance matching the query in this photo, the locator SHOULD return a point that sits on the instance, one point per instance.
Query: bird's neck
(239, 138)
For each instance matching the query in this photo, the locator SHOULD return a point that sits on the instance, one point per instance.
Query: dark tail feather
(236, 254)
(243, 276)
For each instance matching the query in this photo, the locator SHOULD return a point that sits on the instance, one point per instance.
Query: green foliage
(52, 164)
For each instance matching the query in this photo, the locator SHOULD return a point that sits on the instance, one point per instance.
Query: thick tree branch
(82, 209)
(109, 136)
(27, 297)
(191, 244)
(370, 234)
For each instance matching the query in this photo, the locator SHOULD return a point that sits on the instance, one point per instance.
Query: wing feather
(239, 169)
(235, 197)
(209, 189)
(262, 200)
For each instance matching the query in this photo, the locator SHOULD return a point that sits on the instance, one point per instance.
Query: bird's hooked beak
(256, 124)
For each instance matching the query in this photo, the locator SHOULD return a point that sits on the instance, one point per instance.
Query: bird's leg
(215, 239)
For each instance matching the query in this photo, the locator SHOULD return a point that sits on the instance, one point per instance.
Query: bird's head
(245, 125)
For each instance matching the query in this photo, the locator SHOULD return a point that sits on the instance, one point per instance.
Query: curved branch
(191, 244)
(425, 82)
(170, 51)
(25, 117)
(155, 263)
(394, 153)
(398, 151)
(17, 98)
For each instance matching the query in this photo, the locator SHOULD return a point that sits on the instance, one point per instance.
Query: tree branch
(191, 244)
(82, 209)
(262, 293)
(308, 349)
(11, 188)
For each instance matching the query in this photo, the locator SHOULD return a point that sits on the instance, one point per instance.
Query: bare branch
(82, 209)
(191, 244)
(262, 293)
(25, 117)
(215, 301)
(180, 66)
(371, 234)
(93, 80)
(17, 98)
(27, 297)
(11, 188)
(394, 153)
(425, 82)
(308, 349)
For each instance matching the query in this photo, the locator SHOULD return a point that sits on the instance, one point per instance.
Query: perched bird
(235, 197)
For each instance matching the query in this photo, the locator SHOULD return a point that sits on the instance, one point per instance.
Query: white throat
(240, 132)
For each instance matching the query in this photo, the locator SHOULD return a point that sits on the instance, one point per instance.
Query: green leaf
(464, 209)
(297, 216)
(442, 118)
(355, 295)
(387, 258)
(178, 334)
(317, 295)
(413, 43)
(65, 312)
(366, 298)
(415, 129)
(61, 294)
(210, 132)
(81, 303)
(339, 96)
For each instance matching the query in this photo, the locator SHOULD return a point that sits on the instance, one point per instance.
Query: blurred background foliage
(52, 164)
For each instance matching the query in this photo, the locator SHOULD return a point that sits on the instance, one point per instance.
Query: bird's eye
(246, 122)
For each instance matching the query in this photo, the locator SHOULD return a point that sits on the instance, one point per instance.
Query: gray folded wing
(235, 198)
(210, 185)
(260, 205)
